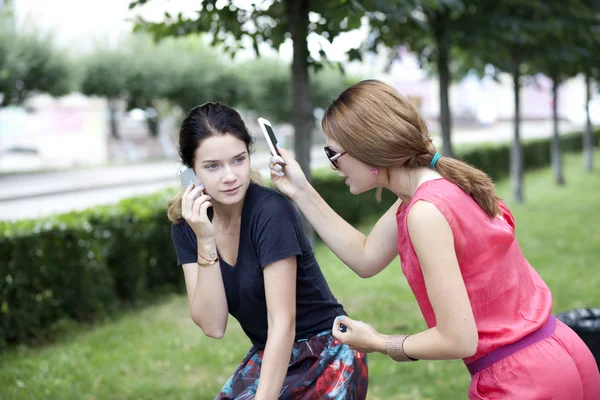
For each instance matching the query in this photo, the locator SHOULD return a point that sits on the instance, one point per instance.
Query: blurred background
(91, 97)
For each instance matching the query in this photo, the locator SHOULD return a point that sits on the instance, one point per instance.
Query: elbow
(460, 344)
(468, 350)
(466, 346)
(367, 273)
(363, 274)
(212, 332)
(367, 269)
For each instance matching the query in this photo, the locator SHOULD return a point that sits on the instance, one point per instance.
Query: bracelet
(208, 259)
(209, 262)
(394, 347)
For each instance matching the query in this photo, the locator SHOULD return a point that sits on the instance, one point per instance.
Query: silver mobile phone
(188, 176)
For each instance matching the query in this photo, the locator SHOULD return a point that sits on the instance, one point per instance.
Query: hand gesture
(288, 177)
(194, 206)
(358, 335)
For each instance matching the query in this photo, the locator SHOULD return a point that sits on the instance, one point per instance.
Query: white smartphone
(188, 176)
(267, 129)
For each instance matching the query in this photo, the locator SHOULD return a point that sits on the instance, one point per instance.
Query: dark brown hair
(202, 122)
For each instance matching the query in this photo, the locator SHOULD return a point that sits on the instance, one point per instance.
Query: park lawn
(158, 352)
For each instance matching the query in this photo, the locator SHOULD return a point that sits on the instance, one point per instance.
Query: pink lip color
(231, 191)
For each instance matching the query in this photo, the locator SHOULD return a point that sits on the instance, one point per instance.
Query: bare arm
(455, 334)
(365, 255)
(206, 295)
(280, 291)
(204, 284)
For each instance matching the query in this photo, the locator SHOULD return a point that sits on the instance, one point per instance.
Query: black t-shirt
(271, 230)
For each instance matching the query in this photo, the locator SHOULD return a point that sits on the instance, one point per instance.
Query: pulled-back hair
(379, 127)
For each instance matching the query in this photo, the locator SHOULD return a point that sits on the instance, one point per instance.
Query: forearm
(346, 242)
(431, 345)
(275, 362)
(209, 302)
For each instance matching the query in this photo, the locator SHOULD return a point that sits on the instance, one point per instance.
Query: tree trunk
(516, 157)
(114, 123)
(555, 148)
(588, 140)
(302, 114)
(443, 60)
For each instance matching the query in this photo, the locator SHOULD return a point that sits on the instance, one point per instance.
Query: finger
(197, 203)
(345, 320)
(338, 335)
(277, 172)
(335, 331)
(284, 154)
(203, 207)
(336, 324)
(188, 189)
(201, 199)
(197, 191)
(275, 166)
(194, 194)
(186, 193)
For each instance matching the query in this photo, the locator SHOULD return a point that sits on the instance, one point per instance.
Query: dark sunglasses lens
(330, 153)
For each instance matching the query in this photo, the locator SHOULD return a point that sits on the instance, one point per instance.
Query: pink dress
(509, 301)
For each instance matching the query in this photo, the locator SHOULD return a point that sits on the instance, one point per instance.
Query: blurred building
(53, 133)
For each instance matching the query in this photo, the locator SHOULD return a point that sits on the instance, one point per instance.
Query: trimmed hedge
(84, 265)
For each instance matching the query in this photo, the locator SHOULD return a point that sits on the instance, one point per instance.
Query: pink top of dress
(508, 297)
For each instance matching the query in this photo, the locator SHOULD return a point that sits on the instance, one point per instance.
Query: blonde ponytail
(256, 177)
(174, 208)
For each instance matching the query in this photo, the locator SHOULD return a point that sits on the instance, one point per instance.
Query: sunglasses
(333, 156)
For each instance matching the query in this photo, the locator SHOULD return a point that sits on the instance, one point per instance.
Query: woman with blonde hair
(481, 299)
(243, 252)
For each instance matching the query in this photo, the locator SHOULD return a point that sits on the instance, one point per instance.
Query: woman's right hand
(194, 206)
(288, 178)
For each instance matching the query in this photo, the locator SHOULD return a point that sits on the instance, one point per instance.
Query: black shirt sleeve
(277, 230)
(185, 243)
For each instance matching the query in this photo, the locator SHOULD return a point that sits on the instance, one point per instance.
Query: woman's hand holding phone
(289, 177)
(194, 206)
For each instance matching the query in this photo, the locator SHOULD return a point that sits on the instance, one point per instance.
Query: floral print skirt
(320, 367)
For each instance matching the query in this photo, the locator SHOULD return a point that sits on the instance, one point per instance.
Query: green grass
(158, 353)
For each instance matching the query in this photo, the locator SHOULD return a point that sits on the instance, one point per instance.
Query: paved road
(37, 194)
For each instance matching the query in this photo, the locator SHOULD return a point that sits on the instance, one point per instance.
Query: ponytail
(256, 177)
(473, 181)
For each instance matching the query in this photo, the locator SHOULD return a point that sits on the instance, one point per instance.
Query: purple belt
(544, 332)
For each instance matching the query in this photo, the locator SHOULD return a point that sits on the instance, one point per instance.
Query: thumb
(342, 319)
(284, 154)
